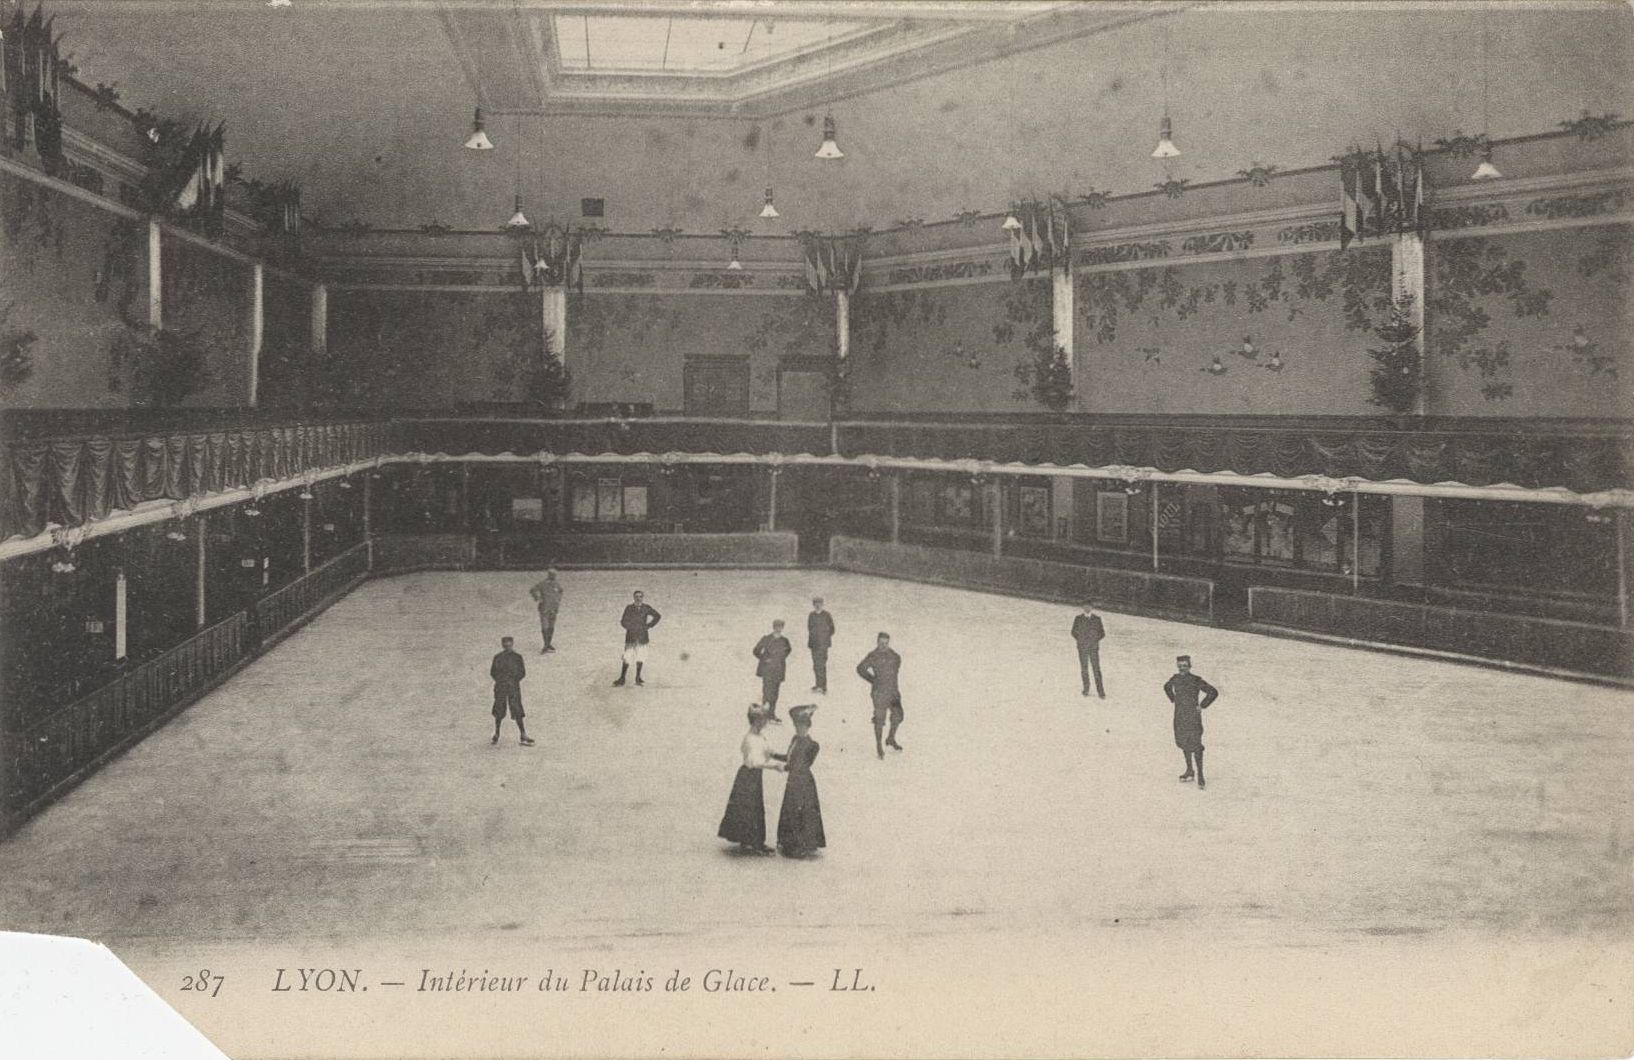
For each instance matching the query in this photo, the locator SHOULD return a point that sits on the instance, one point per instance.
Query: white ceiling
(967, 107)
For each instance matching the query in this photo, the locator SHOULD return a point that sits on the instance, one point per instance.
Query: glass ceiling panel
(645, 44)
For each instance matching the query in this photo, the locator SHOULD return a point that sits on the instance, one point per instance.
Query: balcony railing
(66, 481)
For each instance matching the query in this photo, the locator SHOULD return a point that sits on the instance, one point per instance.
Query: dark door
(716, 386)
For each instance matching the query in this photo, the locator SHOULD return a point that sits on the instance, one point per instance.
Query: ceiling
(942, 105)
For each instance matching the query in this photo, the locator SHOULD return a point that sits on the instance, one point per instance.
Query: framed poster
(609, 500)
(528, 509)
(635, 504)
(1112, 518)
(584, 502)
(1033, 511)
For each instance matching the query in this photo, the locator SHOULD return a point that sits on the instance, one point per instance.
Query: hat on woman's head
(802, 712)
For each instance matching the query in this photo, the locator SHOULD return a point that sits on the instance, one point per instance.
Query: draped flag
(833, 263)
(552, 259)
(31, 69)
(1044, 239)
(1379, 194)
(202, 191)
(1349, 178)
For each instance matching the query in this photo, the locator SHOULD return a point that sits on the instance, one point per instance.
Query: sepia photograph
(816, 528)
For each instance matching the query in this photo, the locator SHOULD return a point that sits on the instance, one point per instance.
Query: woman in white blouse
(745, 819)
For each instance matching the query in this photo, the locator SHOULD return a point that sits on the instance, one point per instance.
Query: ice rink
(341, 794)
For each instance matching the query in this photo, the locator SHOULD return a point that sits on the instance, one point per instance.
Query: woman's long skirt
(800, 825)
(745, 820)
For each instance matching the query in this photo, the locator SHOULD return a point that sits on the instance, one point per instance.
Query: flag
(1401, 190)
(1034, 238)
(1347, 203)
(1418, 191)
(808, 260)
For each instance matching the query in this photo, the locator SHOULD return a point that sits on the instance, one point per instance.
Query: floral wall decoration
(1262, 336)
(158, 367)
(1258, 174)
(1591, 126)
(1465, 273)
(1361, 281)
(16, 352)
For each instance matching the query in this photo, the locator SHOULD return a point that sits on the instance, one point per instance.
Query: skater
(879, 668)
(637, 619)
(507, 671)
(1182, 691)
(800, 823)
(773, 652)
(1088, 631)
(819, 638)
(745, 819)
(548, 595)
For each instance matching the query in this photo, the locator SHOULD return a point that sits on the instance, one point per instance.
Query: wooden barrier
(54, 751)
(1121, 590)
(1578, 647)
(755, 549)
(278, 613)
(400, 553)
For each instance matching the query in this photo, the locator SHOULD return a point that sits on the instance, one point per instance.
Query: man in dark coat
(637, 619)
(548, 595)
(507, 670)
(880, 668)
(819, 638)
(1182, 690)
(772, 651)
(1088, 631)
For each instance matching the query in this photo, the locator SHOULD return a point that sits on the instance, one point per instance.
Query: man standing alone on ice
(1088, 631)
(548, 595)
(1182, 690)
(637, 619)
(772, 651)
(507, 670)
(819, 638)
(880, 668)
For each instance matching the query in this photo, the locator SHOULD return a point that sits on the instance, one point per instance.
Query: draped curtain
(70, 482)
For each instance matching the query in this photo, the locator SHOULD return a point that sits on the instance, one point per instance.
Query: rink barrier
(279, 613)
(402, 553)
(1167, 595)
(1550, 643)
(47, 755)
(751, 549)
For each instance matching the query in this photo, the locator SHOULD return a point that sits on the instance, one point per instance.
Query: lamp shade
(770, 209)
(1010, 222)
(1486, 170)
(735, 265)
(830, 149)
(518, 219)
(1165, 141)
(478, 140)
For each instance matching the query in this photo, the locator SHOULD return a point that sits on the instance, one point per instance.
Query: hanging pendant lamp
(518, 219)
(1486, 170)
(770, 209)
(1011, 222)
(1165, 140)
(478, 140)
(830, 149)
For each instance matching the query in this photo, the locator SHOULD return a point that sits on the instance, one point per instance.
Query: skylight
(686, 44)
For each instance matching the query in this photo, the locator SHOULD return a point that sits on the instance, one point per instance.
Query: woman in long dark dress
(800, 825)
(745, 819)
